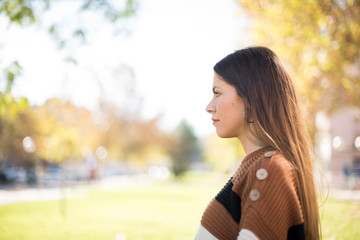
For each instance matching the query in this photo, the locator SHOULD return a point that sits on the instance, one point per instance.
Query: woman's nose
(210, 108)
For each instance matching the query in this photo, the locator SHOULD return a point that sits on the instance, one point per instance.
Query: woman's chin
(224, 134)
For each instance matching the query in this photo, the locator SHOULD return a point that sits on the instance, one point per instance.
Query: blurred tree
(319, 42)
(185, 149)
(16, 123)
(11, 72)
(65, 131)
(128, 137)
(61, 131)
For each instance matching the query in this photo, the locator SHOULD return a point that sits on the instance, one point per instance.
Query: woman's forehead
(220, 82)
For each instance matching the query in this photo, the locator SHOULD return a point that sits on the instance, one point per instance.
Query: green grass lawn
(340, 220)
(164, 210)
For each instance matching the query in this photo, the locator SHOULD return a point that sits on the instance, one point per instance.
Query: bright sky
(172, 49)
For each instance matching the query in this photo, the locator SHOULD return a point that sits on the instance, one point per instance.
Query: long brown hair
(273, 112)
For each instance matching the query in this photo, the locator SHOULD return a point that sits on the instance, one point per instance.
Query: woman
(272, 194)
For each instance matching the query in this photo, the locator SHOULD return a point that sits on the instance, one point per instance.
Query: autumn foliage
(62, 131)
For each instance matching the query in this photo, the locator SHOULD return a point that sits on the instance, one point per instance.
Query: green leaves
(110, 10)
(185, 149)
(11, 72)
(22, 12)
(18, 11)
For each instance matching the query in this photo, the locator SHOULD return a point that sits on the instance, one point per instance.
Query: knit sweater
(260, 198)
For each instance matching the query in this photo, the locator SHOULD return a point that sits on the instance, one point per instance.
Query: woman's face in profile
(227, 109)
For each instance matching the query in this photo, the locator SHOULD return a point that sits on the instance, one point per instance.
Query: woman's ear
(248, 114)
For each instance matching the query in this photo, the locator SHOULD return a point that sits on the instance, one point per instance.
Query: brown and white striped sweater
(260, 201)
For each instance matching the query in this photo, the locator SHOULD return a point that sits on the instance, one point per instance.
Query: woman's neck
(250, 146)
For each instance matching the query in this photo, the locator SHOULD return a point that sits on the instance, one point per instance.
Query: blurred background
(103, 128)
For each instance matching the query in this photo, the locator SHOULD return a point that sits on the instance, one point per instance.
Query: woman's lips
(214, 121)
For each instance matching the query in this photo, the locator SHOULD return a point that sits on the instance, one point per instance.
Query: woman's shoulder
(272, 158)
(275, 165)
(267, 162)
(276, 161)
(270, 196)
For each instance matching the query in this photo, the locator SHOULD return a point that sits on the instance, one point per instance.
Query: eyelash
(216, 93)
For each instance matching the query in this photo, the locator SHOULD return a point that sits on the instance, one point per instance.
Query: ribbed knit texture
(276, 214)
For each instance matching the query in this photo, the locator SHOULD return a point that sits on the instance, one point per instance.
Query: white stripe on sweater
(247, 235)
(204, 234)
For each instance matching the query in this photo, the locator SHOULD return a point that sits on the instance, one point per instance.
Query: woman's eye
(216, 93)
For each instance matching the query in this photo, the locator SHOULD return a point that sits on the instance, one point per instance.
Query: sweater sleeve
(271, 207)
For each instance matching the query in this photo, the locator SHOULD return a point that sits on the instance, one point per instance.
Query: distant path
(8, 196)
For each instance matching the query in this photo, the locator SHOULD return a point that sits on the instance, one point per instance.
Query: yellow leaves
(11, 107)
(347, 84)
(316, 40)
(60, 127)
(15, 119)
(61, 145)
